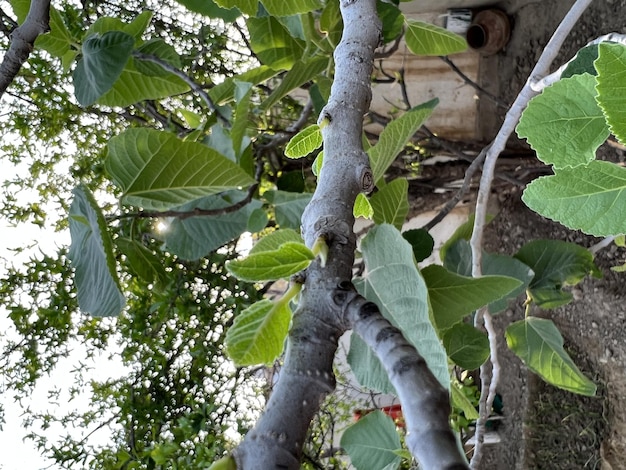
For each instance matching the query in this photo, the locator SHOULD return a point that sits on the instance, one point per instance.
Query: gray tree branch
(425, 403)
(329, 305)
(23, 38)
(496, 147)
(307, 375)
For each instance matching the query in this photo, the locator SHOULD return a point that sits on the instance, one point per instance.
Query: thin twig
(472, 83)
(465, 186)
(556, 76)
(384, 53)
(512, 117)
(601, 245)
(189, 81)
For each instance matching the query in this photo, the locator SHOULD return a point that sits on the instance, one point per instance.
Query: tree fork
(329, 305)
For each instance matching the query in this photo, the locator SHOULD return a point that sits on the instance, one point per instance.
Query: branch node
(366, 178)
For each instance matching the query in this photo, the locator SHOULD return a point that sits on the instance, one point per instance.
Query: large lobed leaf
(590, 198)
(211, 9)
(195, 237)
(288, 207)
(458, 259)
(564, 124)
(274, 240)
(372, 442)
(249, 7)
(467, 347)
(556, 264)
(428, 39)
(539, 344)
(158, 171)
(258, 333)
(104, 58)
(272, 43)
(300, 73)
(396, 286)
(452, 297)
(611, 66)
(92, 257)
(133, 86)
(292, 7)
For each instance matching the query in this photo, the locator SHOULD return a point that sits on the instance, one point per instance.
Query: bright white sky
(16, 454)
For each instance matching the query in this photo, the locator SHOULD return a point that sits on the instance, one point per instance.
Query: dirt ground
(545, 428)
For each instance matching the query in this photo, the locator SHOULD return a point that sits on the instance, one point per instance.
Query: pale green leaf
(395, 136)
(611, 66)
(428, 39)
(143, 261)
(158, 171)
(192, 118)
(133, 86)
(272, 44)
(317, 163)
(556, 264)
(460, 401)
(210, 9)
(301, 73)
(195, 237)
(590, 198)
(292, 7)
(371, 442)
(103, 60)
(539, 344)
(274, 240)
(249, 7)
(106, 23)
(396, 286)
(564, 124)
(362, 207)
(258, 334)
(288, 207)
(452, 297)
(91, 254)
(290, 258)
(466, 346)
(243, 92)
(58, 40)
(304, 142)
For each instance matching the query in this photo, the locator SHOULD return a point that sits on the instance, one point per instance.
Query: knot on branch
(332, 229)
(365, 178)
(342, 293)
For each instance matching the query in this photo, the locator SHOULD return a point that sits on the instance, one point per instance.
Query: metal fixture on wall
(489, 32)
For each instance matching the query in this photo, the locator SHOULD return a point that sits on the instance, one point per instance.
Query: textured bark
(329, 304)
(22, 41)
